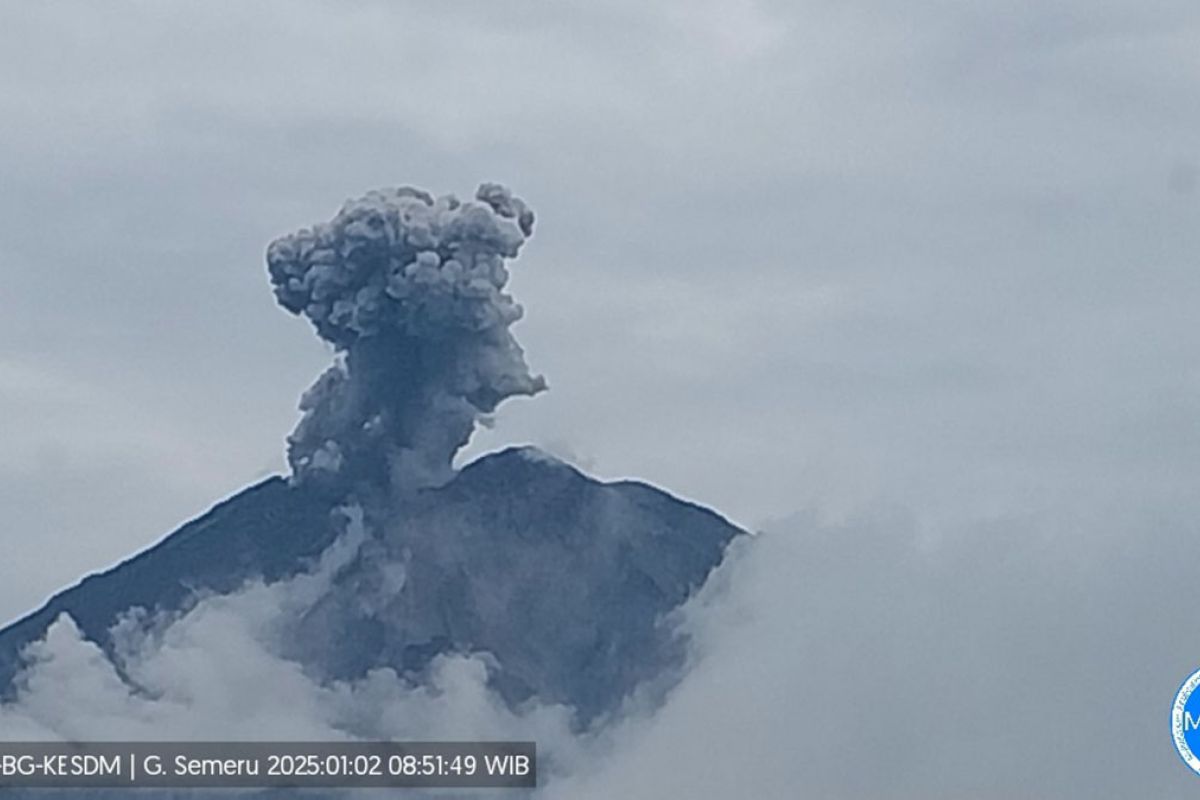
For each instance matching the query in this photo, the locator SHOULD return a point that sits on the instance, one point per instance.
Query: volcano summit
(387, 557)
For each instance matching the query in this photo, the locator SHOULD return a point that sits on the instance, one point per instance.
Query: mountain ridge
(564, 578)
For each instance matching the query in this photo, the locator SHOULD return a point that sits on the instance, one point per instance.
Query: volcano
(566, 582)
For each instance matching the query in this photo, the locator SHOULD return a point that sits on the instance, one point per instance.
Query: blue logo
(1185, 722)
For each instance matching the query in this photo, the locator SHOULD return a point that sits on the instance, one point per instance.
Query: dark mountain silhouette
(564, 579)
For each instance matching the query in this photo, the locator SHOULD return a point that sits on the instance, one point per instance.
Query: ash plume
(409, 290)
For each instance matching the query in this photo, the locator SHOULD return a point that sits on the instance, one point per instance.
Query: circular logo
(1185, 722)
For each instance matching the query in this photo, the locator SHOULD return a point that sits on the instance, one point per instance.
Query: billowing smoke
(409, 290)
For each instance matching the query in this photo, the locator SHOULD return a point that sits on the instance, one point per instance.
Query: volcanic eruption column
(409, 290)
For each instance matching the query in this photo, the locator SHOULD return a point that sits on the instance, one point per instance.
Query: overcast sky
(925, 270)
(790, 257)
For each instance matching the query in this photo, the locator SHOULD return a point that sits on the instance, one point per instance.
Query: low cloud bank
(215, 672)
(1031, 657)
(1022, 657)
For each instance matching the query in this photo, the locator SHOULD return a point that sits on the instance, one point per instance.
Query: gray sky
(811, 258)
(789, 256)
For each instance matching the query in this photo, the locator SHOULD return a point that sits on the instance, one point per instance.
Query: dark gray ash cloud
(409, 290)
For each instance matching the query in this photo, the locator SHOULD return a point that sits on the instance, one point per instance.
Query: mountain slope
(562, 578)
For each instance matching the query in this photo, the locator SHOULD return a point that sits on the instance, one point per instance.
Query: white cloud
(215, 673)
(1026, 656)
(1023, 658)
